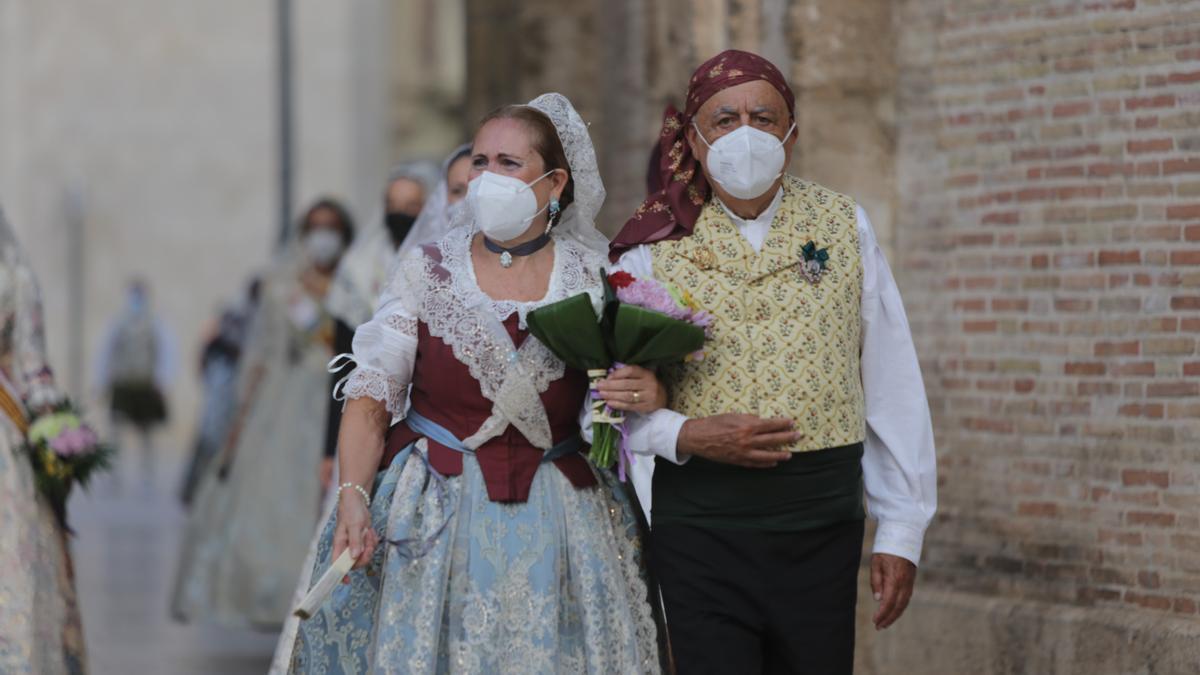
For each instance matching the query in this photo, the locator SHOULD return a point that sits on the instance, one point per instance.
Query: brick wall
(1049, 218)
(1034, 170)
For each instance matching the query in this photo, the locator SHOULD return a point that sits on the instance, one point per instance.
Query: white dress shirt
(899, 466)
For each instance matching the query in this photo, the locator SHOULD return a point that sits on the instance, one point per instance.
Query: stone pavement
(126, 552)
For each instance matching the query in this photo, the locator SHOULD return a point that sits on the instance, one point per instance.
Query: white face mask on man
(324, 247)
(503, 206)
(746, 161)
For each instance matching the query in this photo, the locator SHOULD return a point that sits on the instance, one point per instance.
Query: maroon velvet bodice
(444, 391)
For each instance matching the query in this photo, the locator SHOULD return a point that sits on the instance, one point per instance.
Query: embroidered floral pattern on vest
(782, 346)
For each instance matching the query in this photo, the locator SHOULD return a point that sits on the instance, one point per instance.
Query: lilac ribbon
(624, 456)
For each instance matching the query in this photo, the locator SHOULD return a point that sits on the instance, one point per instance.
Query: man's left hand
(892, 579)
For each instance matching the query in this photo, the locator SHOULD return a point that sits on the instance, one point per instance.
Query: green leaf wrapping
(627, 334)
(644, 337)
(569, 329)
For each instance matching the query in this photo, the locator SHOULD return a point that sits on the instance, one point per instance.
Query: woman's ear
(559, 182)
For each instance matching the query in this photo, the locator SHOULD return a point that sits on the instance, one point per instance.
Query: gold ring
(637, 396)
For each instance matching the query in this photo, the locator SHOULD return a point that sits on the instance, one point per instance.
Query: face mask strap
(701, 134)
(789, 133)
(535, 181)
(539, 211)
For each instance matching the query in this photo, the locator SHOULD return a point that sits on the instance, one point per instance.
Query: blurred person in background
(218, 372)
(137, 362)
(257, 504)
(40, 630)
(408, 223)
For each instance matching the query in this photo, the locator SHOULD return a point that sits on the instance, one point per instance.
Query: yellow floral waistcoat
(782, 346)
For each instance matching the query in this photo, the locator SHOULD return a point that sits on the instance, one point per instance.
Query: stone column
(843, 73)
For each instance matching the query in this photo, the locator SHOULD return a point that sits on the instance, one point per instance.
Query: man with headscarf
(809, 389)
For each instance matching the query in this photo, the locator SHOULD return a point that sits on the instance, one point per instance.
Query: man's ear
(791, 139)
(789, 143)
(691, 136)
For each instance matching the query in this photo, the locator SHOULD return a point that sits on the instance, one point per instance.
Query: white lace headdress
(435, 217)
(578, 220)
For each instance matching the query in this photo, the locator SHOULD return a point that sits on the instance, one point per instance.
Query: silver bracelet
(357, 487)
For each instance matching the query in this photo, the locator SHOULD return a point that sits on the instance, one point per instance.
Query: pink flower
(76, 441)
(652, 296)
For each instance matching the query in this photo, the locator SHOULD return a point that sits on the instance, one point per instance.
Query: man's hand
(735, 438)
(892, 579)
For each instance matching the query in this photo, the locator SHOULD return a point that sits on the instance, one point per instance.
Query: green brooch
(815, 260)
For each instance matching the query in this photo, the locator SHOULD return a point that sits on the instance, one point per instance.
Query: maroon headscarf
(671, 212)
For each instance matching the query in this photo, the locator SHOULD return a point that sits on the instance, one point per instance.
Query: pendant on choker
(506, 254)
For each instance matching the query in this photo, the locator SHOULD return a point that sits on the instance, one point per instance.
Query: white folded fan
(324, 587)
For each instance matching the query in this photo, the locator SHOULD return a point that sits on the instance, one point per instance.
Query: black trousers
(744, 601)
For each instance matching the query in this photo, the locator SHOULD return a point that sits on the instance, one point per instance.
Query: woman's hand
(354, 529)
(633, 389)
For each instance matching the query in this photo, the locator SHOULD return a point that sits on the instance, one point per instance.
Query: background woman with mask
(255, 509)
(409, 222)
(502, 548)
(362, 272)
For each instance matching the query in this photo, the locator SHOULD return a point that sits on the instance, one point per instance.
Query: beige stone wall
(161, 116)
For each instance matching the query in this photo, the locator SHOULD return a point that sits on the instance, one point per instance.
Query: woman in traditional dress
(409, 219)
(503, 549)
(256, 508)
(218, 375)
(40, 630)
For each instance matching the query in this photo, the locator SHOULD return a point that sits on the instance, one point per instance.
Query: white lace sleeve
(385, 348)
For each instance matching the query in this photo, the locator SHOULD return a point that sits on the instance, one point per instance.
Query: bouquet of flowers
(64, 451)
(641, 322)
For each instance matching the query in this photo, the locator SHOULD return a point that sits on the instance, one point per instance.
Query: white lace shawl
(446, 296)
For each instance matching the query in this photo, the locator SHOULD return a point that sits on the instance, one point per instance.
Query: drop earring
(554, 212)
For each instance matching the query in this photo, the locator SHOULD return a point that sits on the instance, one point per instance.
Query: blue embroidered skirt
(552, 585)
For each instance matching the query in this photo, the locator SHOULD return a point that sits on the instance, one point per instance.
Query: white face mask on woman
(324, 247)
(746, 161)
(503, 206)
